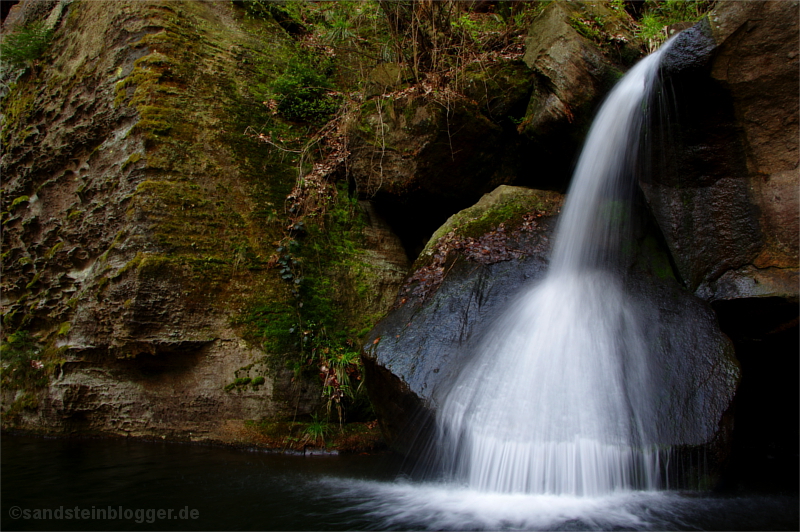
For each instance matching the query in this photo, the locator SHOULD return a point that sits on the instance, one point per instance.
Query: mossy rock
(502, 88)
(577, 67)
(504, 205)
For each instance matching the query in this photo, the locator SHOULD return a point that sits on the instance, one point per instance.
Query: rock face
(139, 221)
(469, 269)
(721, 186)
(436, 154)
(517, 119)
(577, 51)
(430, 335)
(140, 225)
(574, 72)
(725, 194)
(725, 189)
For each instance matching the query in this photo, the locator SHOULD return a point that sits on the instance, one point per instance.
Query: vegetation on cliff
(181, 174)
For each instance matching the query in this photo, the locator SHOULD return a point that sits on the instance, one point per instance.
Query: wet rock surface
(446, 304)
(426, 340)
(725, 195)
(724, 180)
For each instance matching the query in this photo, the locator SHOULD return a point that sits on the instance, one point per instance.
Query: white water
(557, 399)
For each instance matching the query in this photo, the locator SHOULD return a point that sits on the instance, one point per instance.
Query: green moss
(505, 205)
(34, 281)
(114, 243)
(193, 145)
(274, 325)
(52, 251)
(329, 279)
(63, 329)
(154, 265)
(132, 159)
(589, 27)
(102, 283)
(130, 265)
(19, 201)
(17, 106)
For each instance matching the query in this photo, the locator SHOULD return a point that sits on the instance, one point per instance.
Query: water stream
(558, 398)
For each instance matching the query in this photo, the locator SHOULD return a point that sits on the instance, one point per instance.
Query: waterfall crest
(557, 399)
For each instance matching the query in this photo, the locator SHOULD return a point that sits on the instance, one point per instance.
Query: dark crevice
(765, 435)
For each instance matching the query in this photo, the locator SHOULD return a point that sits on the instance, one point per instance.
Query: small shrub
(304, 94)
(21, 365)
(26, 45)
(340, 28)
(315, 432)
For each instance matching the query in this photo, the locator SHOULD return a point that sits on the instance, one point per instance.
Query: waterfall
(557, 399)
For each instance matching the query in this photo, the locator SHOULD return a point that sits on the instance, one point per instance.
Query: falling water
(557, 399)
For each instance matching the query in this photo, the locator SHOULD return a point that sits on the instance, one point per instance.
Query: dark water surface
(213, 488)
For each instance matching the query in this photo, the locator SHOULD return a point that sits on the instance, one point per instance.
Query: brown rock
(138, 224)
(757, 61)
(724, 187)
(574, 72)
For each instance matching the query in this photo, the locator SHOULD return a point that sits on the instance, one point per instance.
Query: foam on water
(443, 507)
(402, 505)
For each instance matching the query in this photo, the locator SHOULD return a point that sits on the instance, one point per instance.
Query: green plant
(339, 367)
(26, 45)
(340, 28)
(303, 92)
(591, 28)
(658, 14)
(315, 431)
(20, 362)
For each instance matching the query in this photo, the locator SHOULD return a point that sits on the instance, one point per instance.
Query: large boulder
(578, 51)
(473, 264)
(724, 190)
(461, 284)
(724, 182)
